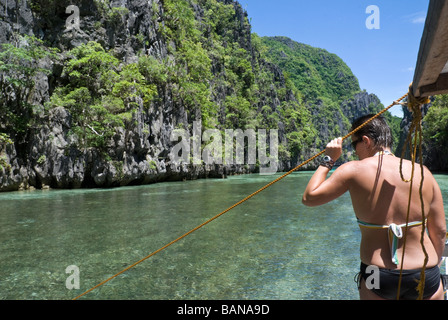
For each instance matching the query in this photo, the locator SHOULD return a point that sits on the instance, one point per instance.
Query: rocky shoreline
(54, 161)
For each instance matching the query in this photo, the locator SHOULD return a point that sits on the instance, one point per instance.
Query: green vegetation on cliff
(19, 65)
(436, 120)
(435, 132)
(100, 94)
(317, 73)
(327, 86)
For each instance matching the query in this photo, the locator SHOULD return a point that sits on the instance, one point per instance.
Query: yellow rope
(415, 131)
(240, 202)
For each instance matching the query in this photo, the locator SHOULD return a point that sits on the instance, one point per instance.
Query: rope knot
(414, 103)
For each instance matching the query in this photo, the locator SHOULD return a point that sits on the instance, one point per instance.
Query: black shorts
(388, 282)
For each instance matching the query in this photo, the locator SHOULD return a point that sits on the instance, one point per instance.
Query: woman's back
(380, 197)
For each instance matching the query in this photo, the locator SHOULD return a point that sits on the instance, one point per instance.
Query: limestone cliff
(92, 90)
(49, 153)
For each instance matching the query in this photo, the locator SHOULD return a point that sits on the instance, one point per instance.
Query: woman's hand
(334, 149)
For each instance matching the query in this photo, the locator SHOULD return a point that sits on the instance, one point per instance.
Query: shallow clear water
(270, 247)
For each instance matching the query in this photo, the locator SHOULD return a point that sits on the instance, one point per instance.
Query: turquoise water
(270, 247)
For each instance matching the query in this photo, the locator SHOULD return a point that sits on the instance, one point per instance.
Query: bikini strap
(395, 233)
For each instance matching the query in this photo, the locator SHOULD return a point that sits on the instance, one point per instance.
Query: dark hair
(378, 130)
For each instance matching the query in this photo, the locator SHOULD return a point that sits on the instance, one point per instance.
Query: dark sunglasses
(355, 143)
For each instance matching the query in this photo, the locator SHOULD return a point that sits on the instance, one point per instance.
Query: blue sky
(382, 59)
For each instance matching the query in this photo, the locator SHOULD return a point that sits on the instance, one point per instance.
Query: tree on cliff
(19, 66)
(100, 93)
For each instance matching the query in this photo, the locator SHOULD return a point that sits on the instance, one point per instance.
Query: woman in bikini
(380, 201)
